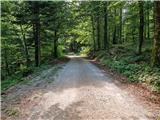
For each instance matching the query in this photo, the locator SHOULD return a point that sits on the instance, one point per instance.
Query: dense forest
(122, 35)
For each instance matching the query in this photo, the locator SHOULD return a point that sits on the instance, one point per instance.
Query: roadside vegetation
(21, 77)
(135, 68)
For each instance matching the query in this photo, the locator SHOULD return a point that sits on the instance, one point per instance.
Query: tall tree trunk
(120, 30)
(106, 45)
(93, 33)
(141, 27)
(114, 35)
(98, 32)
(115, 29)
(55, 44)
(6, 59)
(145, 25)
(148, 31)
(156, 47)
(123, 31)
(36, 29)
(25, 46)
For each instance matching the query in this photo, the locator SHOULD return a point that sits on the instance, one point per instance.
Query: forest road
(81, 91)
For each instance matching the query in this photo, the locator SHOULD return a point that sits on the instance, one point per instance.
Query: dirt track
(79, 91)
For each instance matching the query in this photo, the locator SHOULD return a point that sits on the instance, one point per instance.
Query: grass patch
(5, 84)
(18, 78)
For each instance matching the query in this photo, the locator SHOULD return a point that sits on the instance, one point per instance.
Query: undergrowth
(135, 67)
(32, 70)
(17, 78)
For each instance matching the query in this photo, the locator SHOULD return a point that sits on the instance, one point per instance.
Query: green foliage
(18, 42)
(13, 80)
(61, 50)
(85, 51)
(21, 76)
(133, 67)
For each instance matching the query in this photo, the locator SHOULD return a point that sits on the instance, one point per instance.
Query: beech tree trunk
(141, 27)
(148, 21)
(36, 31)
(106, 45)
(98, 32)
(115, 30)
(6, 60)
(55, 44)
(120, 30)
(156, 47)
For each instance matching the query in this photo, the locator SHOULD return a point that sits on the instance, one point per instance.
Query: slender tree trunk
(123, 31)
(108, 33)
(120, 30)
(114, 35)
(108, 13)
(25, 46)
(145, 21)
(154, 11)
(55, 44)
(6, 59)
(115, 30)
(141, 27)
(148, 32)
(36, 29)
(98, 32)
(106, 45)
(156, 47)
(145, 25)
(93, 33)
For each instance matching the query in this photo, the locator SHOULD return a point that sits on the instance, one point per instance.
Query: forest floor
(78, 91)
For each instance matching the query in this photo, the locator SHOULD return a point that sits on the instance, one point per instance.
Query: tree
(36, 31)
(120, 29)
(6, 59)
(98, 31)
(115, 29)
(106, 43)
(156, 47)
(141, 27)
(148, 21)
(22, 21)
(55, 43)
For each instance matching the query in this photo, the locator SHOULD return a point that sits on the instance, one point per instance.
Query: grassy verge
(19, 77)
(135, 67)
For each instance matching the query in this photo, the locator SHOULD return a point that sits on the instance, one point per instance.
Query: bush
(25, 70)
(132, 67)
